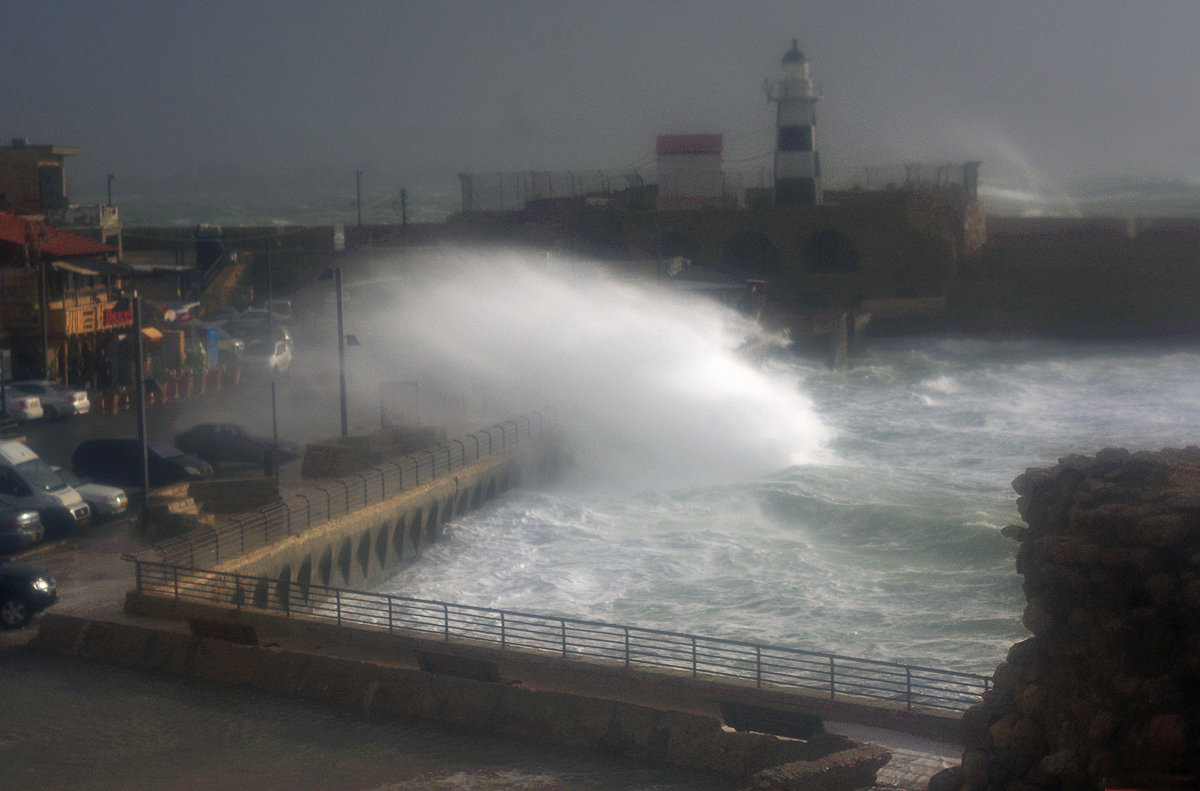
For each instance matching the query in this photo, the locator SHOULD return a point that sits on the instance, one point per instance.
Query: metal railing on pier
(318, 503)
(715, 659)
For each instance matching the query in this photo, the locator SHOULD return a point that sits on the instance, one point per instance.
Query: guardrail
(316, 504)
(710, 658)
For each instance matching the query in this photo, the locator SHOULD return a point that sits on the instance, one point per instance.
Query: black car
(23, 592)
(19, 526)
(228, 443)
(117, 462)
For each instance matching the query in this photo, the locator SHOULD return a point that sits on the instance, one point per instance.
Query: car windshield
(164, 450)
(39, 475)
(70, 478)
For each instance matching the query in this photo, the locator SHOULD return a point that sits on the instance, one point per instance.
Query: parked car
(24, 590)
(268, 356)
(227, 344)
(19, 526)
(251, 327)
(117, 462)
(22, 407)
(281, 308)
(57, 400)
(103, 500)
(220, 313)
(28, 480)
(228, 443)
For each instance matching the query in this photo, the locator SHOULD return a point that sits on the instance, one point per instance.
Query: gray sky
(410, 91)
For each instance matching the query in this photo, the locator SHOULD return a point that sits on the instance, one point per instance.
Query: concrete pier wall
(364, 547)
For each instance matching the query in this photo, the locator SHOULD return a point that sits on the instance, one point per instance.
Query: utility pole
(358, 194)
(144, 515)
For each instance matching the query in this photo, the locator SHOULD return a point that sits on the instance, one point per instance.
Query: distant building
(689, 173)
(33, 183)
(31, 177)
(61, 308)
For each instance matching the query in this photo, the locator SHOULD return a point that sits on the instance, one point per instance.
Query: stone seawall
(1107, 691)
(606, 724)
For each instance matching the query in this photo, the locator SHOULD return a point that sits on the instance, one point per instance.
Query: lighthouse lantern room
(797, 165)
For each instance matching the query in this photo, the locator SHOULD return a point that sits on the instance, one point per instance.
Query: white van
(28, 480)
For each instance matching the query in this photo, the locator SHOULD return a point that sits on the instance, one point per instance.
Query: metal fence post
(337, 596)
(563, 626)
(626, 646)
(503, 636)
(757, 666)
(832, 685)
(446, 619)
(694, 673)
(389, 601)
(908, 686)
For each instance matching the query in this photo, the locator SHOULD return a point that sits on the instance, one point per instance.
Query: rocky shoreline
(1105, 691)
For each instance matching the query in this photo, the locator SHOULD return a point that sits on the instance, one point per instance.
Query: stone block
(841, 771)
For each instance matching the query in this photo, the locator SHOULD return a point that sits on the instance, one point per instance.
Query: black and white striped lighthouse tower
(797, 165)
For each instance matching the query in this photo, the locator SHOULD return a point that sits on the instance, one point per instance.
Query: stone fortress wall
(1106, 693)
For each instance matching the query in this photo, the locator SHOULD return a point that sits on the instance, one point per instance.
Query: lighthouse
(797, 166)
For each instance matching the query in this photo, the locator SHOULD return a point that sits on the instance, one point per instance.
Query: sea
(758, 498)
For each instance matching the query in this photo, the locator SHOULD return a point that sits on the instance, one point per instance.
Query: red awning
(49, 241)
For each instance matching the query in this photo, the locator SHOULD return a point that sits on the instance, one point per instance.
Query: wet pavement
(70, 724)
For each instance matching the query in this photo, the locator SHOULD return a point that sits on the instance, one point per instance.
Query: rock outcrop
(1108, 687)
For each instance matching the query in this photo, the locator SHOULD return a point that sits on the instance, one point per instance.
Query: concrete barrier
(342, 675)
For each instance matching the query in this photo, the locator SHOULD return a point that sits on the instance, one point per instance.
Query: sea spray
(654, 391)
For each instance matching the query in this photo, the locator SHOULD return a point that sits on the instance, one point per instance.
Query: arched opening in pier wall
(304, 578)
(381, 545)
(752, 253)
(830, 252)
(325, 566)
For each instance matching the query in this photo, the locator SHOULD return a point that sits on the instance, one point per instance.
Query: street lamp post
(336, 274)
(140, 381)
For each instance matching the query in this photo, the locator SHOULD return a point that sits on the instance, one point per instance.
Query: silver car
(58, 401)
(104, 500)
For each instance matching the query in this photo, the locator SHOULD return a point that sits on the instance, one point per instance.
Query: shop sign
(117, 318)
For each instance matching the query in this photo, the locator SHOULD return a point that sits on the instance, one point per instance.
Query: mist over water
(653, 391)
(882, 541)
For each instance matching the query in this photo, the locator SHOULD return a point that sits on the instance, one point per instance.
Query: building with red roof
(689, 173)
(60, 300)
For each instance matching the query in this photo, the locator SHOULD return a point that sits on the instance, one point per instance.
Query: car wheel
(14, 612)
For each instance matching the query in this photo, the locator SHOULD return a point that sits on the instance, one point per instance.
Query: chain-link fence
(512, 190)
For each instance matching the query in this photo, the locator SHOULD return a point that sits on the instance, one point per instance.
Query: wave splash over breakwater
(654, 390)
(851, 512)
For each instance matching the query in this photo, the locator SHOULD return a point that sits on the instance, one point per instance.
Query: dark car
(23, 592)
(19, 526)
(229, 443)
(117, 462)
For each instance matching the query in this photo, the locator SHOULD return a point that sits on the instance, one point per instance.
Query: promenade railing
(832, 675)
(299, 511)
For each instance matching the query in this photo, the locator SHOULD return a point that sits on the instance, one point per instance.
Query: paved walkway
(93, 581)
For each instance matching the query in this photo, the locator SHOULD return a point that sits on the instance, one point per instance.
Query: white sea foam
(655, 392)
